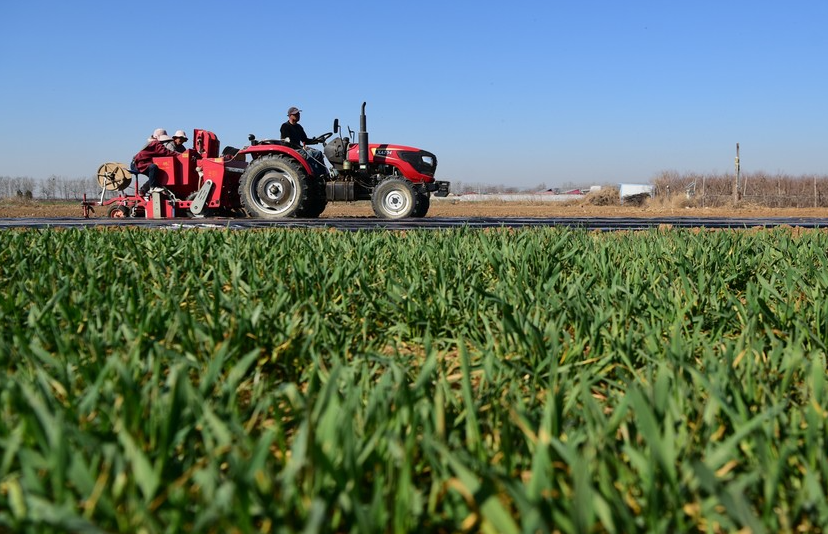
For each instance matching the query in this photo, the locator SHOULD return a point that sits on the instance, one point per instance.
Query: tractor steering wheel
(324, 137)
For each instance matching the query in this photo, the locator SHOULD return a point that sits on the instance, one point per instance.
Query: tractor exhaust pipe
(363, 140)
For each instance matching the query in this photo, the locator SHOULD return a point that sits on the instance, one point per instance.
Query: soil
(463, 209)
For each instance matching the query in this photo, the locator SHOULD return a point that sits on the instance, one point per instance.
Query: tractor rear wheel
(395, 198)
(273, 187)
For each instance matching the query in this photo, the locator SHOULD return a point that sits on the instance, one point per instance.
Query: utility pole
(704, 189)
(816, 196)
(738, 174)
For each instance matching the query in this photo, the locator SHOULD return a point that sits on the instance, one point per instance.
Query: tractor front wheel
(423, 203)
(395, 198)
(273, 187)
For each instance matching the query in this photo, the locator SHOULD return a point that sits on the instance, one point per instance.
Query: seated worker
(179, 138)
(293, 133)
(154, 137)
(156, 134)
(143, 160)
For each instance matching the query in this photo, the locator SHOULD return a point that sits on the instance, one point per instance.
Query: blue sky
(515, 93)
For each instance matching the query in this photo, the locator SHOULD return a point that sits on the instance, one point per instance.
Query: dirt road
(450, 208)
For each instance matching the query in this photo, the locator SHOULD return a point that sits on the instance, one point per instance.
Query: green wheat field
(501, 381)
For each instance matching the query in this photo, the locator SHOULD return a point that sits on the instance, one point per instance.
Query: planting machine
(269, 179)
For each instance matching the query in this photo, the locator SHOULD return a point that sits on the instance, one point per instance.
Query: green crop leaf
(142, 470)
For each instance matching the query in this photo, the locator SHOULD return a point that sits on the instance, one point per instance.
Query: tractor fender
(261, 150)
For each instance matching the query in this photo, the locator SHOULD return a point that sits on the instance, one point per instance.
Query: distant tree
(17, 186)
(77, 187)
(65, 186)
(464, 188)
(49, 188)
(91, 186)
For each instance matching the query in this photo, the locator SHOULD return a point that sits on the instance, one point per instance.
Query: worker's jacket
(155, 149)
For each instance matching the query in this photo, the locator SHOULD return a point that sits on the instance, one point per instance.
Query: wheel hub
(274, 190)
(395, 201)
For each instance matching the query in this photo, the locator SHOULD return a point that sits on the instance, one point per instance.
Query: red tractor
(269, 179)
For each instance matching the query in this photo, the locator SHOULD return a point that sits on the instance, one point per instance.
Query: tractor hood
(414, 163)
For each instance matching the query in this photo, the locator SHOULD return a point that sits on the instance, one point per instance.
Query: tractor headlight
(422, 161)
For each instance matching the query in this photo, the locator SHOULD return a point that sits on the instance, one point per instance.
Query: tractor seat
(229, 152)
(272, 142)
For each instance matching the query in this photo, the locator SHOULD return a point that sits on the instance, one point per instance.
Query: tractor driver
(293, 134)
